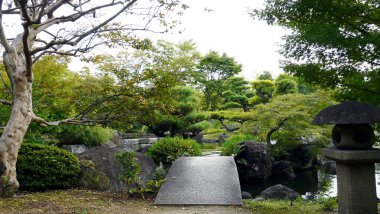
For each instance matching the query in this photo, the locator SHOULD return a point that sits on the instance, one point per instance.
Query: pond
(310, 184)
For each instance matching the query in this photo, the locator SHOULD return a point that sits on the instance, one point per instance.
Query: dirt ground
(88, 202)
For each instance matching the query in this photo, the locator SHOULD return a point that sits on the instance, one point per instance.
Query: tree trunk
(20, 118)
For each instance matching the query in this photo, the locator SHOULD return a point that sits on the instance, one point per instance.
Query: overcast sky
(229, 28)
(225, 26)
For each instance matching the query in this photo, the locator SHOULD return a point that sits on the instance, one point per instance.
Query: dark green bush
(169, 149)
(41, 167)
(231, 147)
(87, 135)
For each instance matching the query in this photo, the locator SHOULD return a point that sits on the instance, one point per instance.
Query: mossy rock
(93, 179)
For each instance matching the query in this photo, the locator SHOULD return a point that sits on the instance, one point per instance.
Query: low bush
(88, 135)
(130, 175)
(131, 168)
(41, 167)
(169, 149)
(231, 147)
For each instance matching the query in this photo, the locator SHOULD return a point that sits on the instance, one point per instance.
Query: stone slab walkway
(201, 181)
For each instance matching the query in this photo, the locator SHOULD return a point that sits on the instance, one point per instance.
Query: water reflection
(310, 184)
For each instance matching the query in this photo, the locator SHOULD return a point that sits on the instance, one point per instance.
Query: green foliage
(231, 147)
(6, 190)
(87, 135)
(210, 147)
(285, 84)
(184, 118)
(152, 187)
(91, 178)
(131, 168)
(130, 175)
(235, 116)
(238, 94)
(328, 203)
(213, 131)
(286, 119)
(289, 207)
(41, 167)
(213, 70)
(266, 75)
(169, 149)
(333, 44)
(264, 90)
(159, 173)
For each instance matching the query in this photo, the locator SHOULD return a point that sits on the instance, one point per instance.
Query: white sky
(229, 28)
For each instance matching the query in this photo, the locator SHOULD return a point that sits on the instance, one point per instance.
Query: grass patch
(290, 207)
(67, 201)
(209, 147)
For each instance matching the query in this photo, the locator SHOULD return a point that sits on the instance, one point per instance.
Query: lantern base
(356, 179)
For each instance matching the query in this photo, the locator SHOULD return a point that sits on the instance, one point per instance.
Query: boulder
(279, 192)
(302, 157)
(246, 195)
(222, 138)
(328, 166)
(283, 170)
(75, 149)
(91, 178)
(253, 161)
(104, 159)
(199, 137)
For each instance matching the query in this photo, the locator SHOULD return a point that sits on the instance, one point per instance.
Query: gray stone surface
(352, 156)
(253, 161)
(356, 179)
(75, 149)
(105, 161)
(279, 192)
(201, 181)
(350, 112)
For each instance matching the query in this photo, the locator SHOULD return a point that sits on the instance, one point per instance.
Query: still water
(310, 184)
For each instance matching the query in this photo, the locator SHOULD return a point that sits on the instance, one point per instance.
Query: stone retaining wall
(138, 144)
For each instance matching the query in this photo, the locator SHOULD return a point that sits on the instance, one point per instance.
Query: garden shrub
(130, 175)
(42, 167)
(231, 146)
(88, 135)
(169, 149)
(131, 168)
(91, 178)
(6, 191)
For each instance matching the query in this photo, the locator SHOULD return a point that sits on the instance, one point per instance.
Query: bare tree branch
(6, 102)
(3, 38)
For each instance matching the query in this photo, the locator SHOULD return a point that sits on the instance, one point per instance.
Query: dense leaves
(286, 120)
(333, 43)
(237, 94)
(41, 167)
(168, 149)
(231, 147)
(213, 70)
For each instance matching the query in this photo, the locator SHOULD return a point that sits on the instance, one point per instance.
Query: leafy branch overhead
(60, 27)
(334, 44)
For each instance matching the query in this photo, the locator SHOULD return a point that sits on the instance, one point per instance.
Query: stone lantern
(353, 138)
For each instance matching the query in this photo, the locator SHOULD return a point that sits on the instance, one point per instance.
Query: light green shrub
(169, 149)
(231, 147)
(87, 135)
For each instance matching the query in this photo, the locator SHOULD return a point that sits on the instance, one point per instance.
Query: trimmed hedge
(169, 149)
(41, 167)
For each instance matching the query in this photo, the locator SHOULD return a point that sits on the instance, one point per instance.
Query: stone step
(201, 181)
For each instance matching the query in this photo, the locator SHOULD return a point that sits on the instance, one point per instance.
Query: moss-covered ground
(86, 202)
